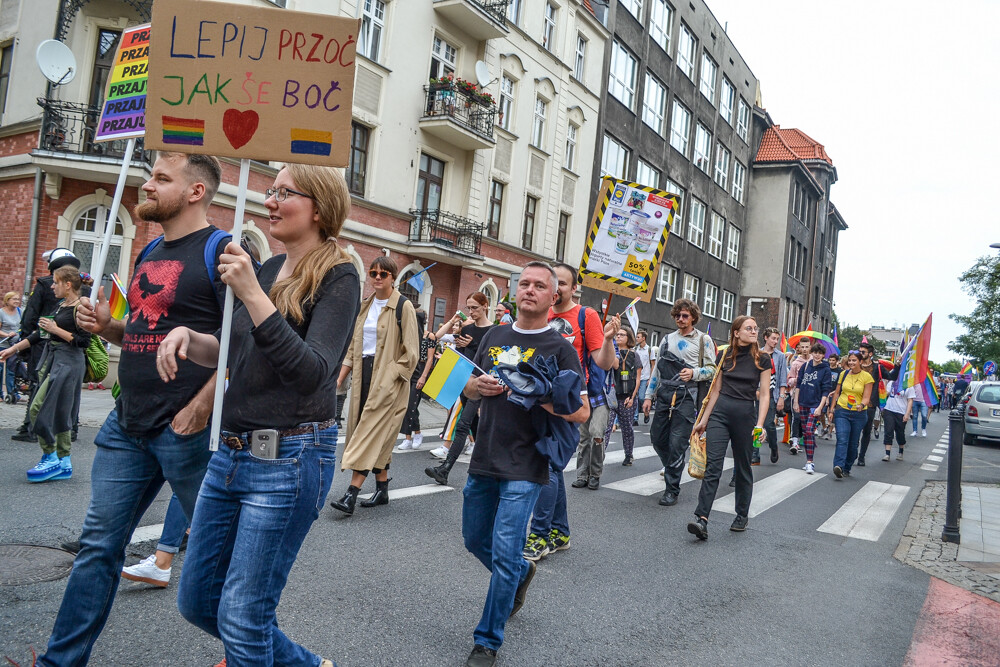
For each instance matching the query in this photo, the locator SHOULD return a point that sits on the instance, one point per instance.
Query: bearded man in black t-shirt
(157, 432)
(507, 471)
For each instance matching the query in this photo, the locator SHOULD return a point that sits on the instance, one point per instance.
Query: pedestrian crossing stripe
(936, 459)
(650, 483)
(617, 456)
(770, 491)
(867, 514)
(929, 466)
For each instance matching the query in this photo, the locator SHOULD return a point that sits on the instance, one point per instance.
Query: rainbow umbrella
(831, 347)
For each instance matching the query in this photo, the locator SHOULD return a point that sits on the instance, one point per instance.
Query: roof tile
(779, 145)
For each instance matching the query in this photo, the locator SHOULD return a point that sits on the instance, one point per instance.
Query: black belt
(238, 441)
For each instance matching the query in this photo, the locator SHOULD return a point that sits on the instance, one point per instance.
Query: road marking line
(617, 456)
(867, 514)
(422, 490)
(936, 459)
(770, 491)
(940, 451)
(146, 533)
(929, 466)
(650, 483)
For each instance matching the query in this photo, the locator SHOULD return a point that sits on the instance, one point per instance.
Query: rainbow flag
(913, 361)
(448, 378)
(835, 341)
(966, 369)
(784, 342)
(928, 391)
(883, 394)
(118, 301)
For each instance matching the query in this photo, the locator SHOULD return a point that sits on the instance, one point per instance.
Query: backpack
(596, 376)
(96, 357)
(210, 247)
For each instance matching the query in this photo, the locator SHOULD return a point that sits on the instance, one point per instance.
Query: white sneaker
(404, 446)
(469, 449)
(914, 434)
(809, 468)
(663, 472)
(440, 452)
(418, 439)
(923, 433)
(147, 572)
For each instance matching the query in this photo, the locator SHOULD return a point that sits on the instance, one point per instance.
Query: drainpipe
(750, 302)
(36, 209)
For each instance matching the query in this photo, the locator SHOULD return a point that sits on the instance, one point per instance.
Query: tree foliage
(950, 366)
(981, 340)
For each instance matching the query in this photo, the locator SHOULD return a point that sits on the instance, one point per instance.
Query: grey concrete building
(677, 114)
(790, 263)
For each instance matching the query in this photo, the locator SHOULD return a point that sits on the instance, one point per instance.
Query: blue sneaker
(65, 468)
(46, 469)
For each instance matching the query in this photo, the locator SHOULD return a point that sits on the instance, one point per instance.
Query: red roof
(780, 145)
(586, 3)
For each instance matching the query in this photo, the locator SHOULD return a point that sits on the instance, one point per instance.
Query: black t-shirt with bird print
(170, 288)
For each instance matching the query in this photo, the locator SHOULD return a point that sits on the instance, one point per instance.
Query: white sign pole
(97, 270)
(227, 313)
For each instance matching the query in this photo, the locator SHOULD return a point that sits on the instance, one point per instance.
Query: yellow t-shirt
(852, 390)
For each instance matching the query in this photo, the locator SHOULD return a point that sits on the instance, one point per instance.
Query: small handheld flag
(448, 378)
(416, 281)
(835, 341)
(966, 369)
(633, 317)
(118, 301)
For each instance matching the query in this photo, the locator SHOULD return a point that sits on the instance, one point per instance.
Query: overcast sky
(903, 95)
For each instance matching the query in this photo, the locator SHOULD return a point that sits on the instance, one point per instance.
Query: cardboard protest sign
(124, 112)
(628, 233)
(251, 82)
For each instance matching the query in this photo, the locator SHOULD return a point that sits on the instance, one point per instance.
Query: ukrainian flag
(448, 378)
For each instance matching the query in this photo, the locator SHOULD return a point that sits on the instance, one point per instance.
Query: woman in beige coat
(384, 350)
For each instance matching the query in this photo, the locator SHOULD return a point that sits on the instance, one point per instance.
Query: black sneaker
(72, 547)
(838, 472)
(522, 588)
(24, 437)
(732, 483)
(579, 483)
(860, 463)
(699, 528)
(739, 524)
(774, 455)
(481, 657)
(628, 460)
(645, 419)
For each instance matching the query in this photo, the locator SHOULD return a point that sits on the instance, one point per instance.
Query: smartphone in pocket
(264, 443)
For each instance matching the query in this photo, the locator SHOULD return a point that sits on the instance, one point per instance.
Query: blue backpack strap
(148, 249)
(210, 247)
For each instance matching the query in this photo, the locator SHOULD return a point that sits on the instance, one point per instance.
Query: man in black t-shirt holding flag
(157, 432)
(507, 471)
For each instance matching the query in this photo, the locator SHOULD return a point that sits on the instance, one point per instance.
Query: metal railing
(446, 229)
(496, 9)
(69, 127)
(467, 109)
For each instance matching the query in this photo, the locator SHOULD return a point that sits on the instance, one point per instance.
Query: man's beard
(559, 299)
(158, 210)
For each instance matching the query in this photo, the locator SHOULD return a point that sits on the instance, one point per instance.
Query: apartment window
(711, 299)
(716, 232)
(793, 257)
(570, 146)
(430, 181)
(691, 287)
(702, 147)
(727, 101)
(739, 179)
(6, 54)
(677, 228)
(506, 101)
(654, 104)
(634, 7)
(666, 287)
(514, 11)
(357, 166)
(728, 305)
(496, 208)
(660, 19)
(443, 58)
(680, 128)
(538, 124)
(646, 174)
(372, 24)
(722, 166)
(581, 57)
(709, 71)
(549, 31)
(86, 240)
(696, 223)
(685, 52)
(743, 120)
(733, 247)
(561, 236)
(621, 80)
(104, 61)
(528, 232)
(614, 160)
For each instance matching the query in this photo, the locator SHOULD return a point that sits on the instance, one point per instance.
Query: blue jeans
(127, 474)
(640, 397)
(254, 514)
(550, 509)
(9, 367)
(175, 525)
(849, 425)
(494, 524)
(919, 410)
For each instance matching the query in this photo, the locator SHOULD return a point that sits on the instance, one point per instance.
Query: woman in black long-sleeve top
(269, 479)
(732, 413)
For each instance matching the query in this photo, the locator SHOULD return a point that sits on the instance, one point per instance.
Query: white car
(982, 411)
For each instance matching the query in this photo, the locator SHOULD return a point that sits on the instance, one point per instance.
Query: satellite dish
(483, 74)
(57, 62)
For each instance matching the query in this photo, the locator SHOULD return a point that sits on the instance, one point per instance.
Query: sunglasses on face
(682, 316)
(378, 274)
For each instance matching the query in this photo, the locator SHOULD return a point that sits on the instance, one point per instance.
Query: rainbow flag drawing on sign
(118, 301)
(913, 361)
(448, 378)
(187, 131)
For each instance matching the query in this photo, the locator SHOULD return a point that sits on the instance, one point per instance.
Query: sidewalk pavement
(95, 404)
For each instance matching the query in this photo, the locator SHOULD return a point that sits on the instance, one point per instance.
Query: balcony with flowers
(459, 112)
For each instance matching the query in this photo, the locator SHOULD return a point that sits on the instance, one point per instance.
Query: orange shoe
(222, 664)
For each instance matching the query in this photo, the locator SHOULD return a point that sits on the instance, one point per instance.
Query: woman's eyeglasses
(281, 194)
(379, 274)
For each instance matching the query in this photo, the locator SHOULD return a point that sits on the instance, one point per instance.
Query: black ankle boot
(439, 473)
(380, 497)
(346, 504)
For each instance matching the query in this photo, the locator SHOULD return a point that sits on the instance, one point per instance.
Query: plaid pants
(808, 420)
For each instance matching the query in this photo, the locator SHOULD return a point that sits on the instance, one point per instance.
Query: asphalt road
(394, 585)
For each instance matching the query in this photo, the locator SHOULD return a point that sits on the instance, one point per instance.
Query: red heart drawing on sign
(239, 126)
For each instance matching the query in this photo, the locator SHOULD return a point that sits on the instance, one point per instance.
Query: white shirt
(642, 354)
(369, 338)
(897, 402)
